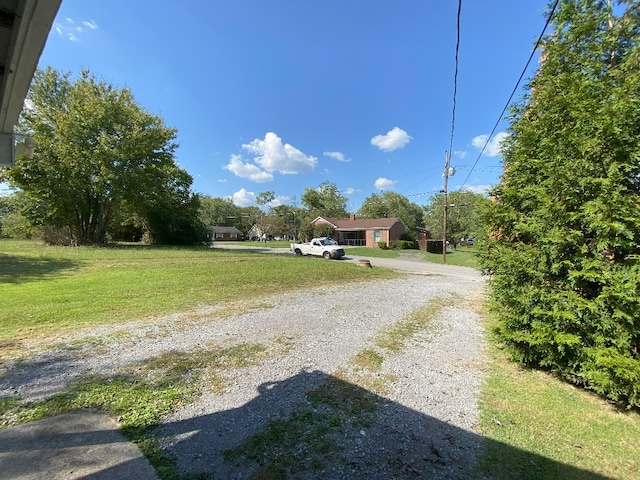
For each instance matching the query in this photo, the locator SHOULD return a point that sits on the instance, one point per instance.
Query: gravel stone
(425, 425)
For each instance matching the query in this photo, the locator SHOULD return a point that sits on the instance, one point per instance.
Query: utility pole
(446, 207)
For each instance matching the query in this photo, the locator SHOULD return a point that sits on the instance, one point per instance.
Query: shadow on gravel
(315, 425)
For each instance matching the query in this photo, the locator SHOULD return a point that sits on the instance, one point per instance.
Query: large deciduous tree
(392, 204)
(464, 215)
(219, 211)
(99, 152)
(326, 200)
(564, 252)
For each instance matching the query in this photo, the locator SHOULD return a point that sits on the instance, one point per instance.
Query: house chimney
(352, 216)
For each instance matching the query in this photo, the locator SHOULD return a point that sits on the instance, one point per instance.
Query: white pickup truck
(322, 247)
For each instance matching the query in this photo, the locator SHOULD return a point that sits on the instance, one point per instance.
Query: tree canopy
(326, 200)
(564, 248)
(464, 215)
(392, 204)
(99, 154)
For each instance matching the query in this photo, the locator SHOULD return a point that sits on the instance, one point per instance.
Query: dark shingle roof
(360, 223)
(216, 229)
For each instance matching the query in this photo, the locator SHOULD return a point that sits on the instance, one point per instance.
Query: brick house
(364, 232)
(225, 234)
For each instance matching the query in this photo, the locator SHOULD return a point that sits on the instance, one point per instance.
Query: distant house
(225, 234)
(254, 233)
(364, 232)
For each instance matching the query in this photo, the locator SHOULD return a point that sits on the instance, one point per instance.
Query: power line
(524, 70)
(455, 77)
(447, 168)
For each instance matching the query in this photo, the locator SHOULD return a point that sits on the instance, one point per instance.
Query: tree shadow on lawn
(16, 269)
(315, 425)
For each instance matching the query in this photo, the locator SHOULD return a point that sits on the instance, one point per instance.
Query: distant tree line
(105, 170)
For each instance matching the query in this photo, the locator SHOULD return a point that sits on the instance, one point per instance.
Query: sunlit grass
(52, 289)
(462, 256)
(539, 427)
(141, 396)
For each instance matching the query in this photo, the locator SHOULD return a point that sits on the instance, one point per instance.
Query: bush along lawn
(539, 427)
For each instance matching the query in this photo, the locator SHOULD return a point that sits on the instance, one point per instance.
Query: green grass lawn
(535, 426)
(50, 289)
(538, 427)
(462, 256)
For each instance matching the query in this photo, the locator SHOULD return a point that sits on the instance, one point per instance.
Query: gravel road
(421, 404)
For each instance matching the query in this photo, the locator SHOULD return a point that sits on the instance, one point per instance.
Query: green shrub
(382, 245)
(564, 247)
(403, 245)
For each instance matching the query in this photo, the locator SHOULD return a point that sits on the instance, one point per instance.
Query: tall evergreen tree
(564, 248)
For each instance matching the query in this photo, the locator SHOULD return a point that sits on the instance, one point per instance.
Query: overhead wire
(524, 70)
(455, 76)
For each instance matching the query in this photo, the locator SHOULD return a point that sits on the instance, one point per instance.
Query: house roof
(217, 229)
(24, 27)
(360, 223)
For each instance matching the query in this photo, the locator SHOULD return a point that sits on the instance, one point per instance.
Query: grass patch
(50, 290)
(462, 256)
(368, 359)
(310, 438)
(395, 338)
(539, 427)
(139, 397)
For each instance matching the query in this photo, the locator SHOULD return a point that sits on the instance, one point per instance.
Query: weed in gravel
(140, 396)
(396, 337)
(368, 359)
(310, 438)
(177, 363)
(284, 344)
(138, 403)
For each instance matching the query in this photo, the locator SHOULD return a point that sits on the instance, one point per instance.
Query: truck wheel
(298, 252)
(327, 255)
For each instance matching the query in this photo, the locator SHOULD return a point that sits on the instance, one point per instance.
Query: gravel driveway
(413, 417)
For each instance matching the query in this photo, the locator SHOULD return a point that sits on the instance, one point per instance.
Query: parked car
(322, 247)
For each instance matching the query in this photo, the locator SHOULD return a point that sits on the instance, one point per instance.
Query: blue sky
(282, 95)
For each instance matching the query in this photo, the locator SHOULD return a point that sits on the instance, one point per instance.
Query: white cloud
(479, 188)
(71, 30)
(494, 146)
(280, 200)
(349, 191)
(393, 140)
(337, 155)
(242, 198)
(384, 183)
(90, 24)
(247, 170)
(274, 156)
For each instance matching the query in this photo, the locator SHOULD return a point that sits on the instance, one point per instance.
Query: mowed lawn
(50, 289)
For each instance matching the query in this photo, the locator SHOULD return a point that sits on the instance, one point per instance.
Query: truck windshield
(328, 241)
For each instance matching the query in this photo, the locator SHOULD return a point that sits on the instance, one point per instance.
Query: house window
(219, 235)
(377, 236)
(234, 235)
